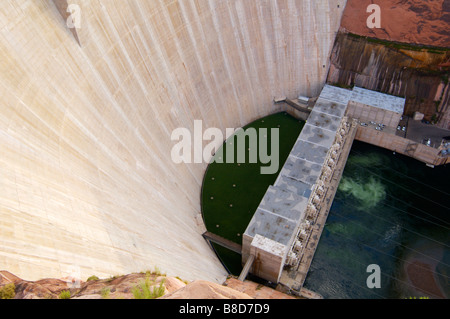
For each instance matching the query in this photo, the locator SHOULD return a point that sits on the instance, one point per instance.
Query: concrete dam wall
(87, 184)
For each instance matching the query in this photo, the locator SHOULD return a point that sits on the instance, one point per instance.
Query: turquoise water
(392, 211)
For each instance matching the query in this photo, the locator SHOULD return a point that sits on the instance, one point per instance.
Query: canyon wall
(420, 74)
(407, 54)
(87, 184)
(424, 22)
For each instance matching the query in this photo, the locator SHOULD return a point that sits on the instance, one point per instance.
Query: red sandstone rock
(425, 22)
(6, 277)
(201, 289)
(121, 287)
(255, 290)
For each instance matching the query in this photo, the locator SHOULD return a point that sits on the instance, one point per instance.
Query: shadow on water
(392, 211)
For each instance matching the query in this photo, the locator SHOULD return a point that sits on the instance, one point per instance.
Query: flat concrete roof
(272, 226)
(284, 203)
(301, 170)
(330, 107)
(310, 152)
(324, 120)
(377, 99)
(292, 185)
(278, 215)
(336, 94)
(317, 135)
(271, 246)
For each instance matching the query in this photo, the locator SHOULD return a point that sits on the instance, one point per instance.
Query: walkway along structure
(222, 242)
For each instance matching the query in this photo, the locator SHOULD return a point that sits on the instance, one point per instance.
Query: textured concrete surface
(294, 186)
(375, 107)
(310, 152)
(328, 107)
(284, 203)
(301, 170)
(316, 135)
(398, 144)
(325, 121)
(377, 99)
(87, 185)
(335, 95)
(272, 226)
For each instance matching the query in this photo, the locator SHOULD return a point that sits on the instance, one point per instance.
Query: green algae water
(391, 211)
(231, 192)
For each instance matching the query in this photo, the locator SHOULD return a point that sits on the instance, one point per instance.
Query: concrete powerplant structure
(281, 238)
(371, 106)
(279, 230)
(87, 185)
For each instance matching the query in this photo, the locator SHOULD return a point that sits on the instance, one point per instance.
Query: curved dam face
(87, 184)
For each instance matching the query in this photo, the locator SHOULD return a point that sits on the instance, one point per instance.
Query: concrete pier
(389, 140)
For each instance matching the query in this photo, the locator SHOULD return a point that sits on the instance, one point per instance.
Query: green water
(389, 210)
(232, 192)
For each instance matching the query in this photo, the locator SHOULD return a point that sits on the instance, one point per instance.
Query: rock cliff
(412, 21)
(406, 56)
(123, 287)
(420, 74)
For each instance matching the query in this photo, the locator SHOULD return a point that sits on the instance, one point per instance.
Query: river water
(391, 211)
